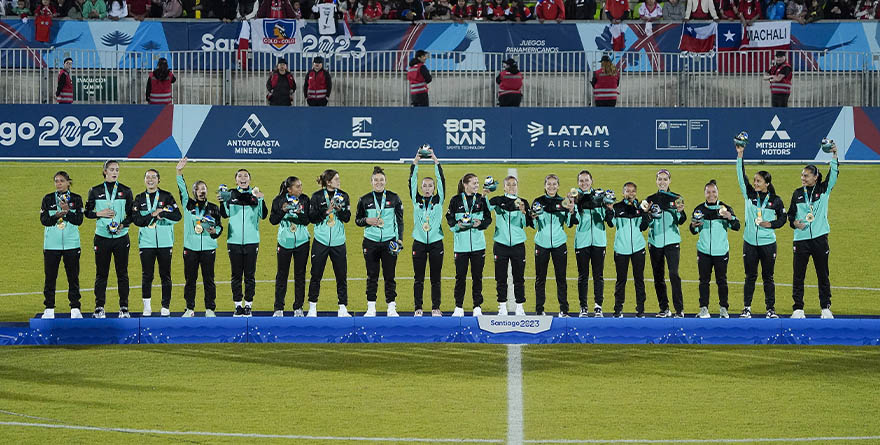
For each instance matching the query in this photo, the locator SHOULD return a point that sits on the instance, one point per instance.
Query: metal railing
(461, 79)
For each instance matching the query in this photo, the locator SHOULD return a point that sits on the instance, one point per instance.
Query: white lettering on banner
(528, 325)
(570, 135)
(532, 46)
(362, 144)
(769, 34)
(770, 148)
(252, 138)
(339, 46)
(70, 131)
(212, 43)
(465, 134)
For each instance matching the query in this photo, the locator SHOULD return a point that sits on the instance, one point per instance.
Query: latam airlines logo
(360, 126)
(781, 146)
(253, 138)
(569, 135)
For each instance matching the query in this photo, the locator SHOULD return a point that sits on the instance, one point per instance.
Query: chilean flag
(618, 40)
(244, 43)
(698, 38)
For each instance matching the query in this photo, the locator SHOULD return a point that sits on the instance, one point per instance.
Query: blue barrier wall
(391, 134)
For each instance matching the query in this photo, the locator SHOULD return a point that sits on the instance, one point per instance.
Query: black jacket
(278, 213)
(392, 200)
(318, 207)
(97, 192)
(478, 207)
(142, 204)
(48, 203)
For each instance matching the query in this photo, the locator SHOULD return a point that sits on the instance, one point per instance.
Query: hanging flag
(244, 44)
(277, 35)
(326, 18)
(618, 41)
(698, 38)
(751, 49)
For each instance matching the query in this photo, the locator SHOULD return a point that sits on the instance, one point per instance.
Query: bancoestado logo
(569, 135)
(775, 141)
(69, 131)
(362, 138)
(465, 134)
(253, 138)
(528, 324)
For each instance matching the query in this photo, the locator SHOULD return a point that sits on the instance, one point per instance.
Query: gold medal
(759, 220)
(198, 228)
(518, 202)
(331, 220)
(810, 217)
(61, 224)
(426, 227)
(293, 227)
(380, 223)
(759, 213)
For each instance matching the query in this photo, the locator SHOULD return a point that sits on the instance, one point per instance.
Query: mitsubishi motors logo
(768, 134)
(535, 129)
(780, 147)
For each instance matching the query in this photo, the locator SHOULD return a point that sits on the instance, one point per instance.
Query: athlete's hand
(834, 150)
(764, 224)
(212, 231)
(475, 222)
(799, 224)
(156, 212)
(372, 221)
(181, 164)
(740, 150)
(64, 206)
(680, 207)
(696, 224)
(106, 213)
(258, 193)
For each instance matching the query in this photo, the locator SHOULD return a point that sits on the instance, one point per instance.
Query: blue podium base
(330, 329)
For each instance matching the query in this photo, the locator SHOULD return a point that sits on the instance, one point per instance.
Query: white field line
(427, 440)
(609, 279)
(514, 395)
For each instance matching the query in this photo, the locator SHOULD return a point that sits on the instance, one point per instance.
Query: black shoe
(99, 313)
(618, 314)
(678, 315)
(239, 311)
(247, 311)
(640, 315)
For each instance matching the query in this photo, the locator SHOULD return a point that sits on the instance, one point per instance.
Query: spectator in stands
(172, 9)
(419, 77)
(479, 10)
(551, 10)
(815, 10)
(617, 10)
(46, 8)
(439, 10)
(75, 9)
(159, 84)
(247, 9)
(459, 12)
(64, 89)
(776, 10)
(748, 11)
(275, 9)
(866, 10)
(650, 11)
(118, 10)
(139, 9)
(510, 83)
(518, 12)
(280, 85)
(496, 10)
(225, 10)
(673, 10)
(318, 85)
(3, 7)
(838, 10)
(411, 10)
(21, 10)
(95, 9)
(700, 10)
(796, 11)
(727, 9)
(369, 11)
(580, 9)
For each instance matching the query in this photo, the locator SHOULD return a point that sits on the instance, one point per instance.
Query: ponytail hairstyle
(66, 177)
(815, 170)
(711, 182)
(326, 177)
(195, 187)
(465, 178)
(286, 184)
(765, 175)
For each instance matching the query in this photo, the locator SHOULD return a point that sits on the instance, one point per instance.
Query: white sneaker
(76, 313)
(148, 311)
(278, 314)
(48, 314)
(798, 314)
(826, 313)
(502, 309)
(436, 313)
(520, 310)
(371, 309)
(458, 312)
(704, 312)
(165, 312)
(312, 313)
(392, 310)
(298, 313)
(188, 313)
(478, 312)
(210, 313)
(418, 313)
(723, 313)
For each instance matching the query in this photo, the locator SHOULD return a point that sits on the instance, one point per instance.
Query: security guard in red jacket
(64, 91)
(605, 83)
(419, 77)
(159, 84)
(779, 76)
(510, 83)
(318, 84)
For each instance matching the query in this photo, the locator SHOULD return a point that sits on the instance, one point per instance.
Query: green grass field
(438, 391)
(853, 240)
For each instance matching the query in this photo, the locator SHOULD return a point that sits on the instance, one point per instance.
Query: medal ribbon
(428, 207)
(327, 200)
(807, 198)
(111, 196)
(760, 204)
(464, 203)
(379, 208)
